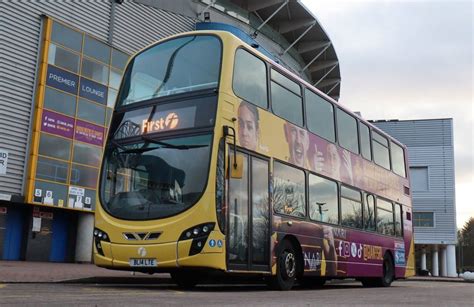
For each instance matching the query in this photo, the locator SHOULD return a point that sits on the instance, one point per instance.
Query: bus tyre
(185, 279)
(387, 277)
(286, 267)
(388, 272)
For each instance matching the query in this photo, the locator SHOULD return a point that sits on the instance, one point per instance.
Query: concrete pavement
(48, 272)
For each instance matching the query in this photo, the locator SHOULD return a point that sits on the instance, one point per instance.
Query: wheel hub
(290, 265)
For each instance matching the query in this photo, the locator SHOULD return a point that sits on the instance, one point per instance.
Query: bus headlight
(199, 235)
(100, 236)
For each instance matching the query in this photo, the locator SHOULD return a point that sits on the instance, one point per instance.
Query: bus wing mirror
(236, 167)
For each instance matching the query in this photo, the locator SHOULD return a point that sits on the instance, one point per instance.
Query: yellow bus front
(158, 187)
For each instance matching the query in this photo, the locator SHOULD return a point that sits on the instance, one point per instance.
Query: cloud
(408, 60)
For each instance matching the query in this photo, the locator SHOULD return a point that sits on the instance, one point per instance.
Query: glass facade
(73, 114)
(423, 219)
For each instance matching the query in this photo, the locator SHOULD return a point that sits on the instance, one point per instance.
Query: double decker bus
(218, 159)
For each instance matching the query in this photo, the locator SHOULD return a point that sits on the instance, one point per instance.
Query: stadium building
(60, 67)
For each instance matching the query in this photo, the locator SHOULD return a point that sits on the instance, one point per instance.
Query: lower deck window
(289, 190)
(351, 207)
(385, 217)
(323, 200)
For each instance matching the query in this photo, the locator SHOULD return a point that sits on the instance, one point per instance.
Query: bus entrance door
(248, 234)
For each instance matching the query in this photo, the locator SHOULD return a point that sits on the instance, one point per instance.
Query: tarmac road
(402, 293)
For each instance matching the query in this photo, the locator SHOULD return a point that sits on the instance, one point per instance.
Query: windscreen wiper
(117, 144)
(162, 145)
(168, 145)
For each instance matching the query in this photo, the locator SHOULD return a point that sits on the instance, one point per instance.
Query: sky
(409, 59)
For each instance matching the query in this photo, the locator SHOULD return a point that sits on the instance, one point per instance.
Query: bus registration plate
(143, 262)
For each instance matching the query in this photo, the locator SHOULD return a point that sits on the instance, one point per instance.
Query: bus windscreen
(153, 179)
(175, 66)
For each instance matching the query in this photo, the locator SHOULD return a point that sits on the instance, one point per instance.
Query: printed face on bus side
(333, 161)
(298, 143)
(248, 126)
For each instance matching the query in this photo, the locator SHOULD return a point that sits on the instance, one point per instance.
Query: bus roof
(281, 68)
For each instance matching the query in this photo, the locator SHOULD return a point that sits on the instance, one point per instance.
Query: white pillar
(451, 260)
(434, 261)
(443, 261)
(85, 228)
(423, 259)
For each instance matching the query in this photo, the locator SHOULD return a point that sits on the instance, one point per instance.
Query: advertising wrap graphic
(302, 148)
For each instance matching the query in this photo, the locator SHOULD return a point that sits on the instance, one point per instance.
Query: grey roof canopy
(287, 23)
(305, 36)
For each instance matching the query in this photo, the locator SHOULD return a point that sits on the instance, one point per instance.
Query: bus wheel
(388, 273)
(386, 279)
(286, 267)
(185, 279)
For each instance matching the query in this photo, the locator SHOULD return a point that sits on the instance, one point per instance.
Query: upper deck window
(286, 98)
(364, 134)
(347, 131)
(250, 78)
(380, 147)
(398, 159)
(320, 116)
(175, 66)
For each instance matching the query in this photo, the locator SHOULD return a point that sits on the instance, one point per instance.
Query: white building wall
(430, 143)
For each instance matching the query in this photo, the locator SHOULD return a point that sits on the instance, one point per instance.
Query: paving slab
(44, 272)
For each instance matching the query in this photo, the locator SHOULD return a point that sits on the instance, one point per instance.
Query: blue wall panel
(13, 234)
(59, 242)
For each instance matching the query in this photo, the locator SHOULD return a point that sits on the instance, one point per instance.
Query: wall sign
(62, 80)
(93, 91)
(89, 133)
(3, 161)
(77, 191)
(57, 124)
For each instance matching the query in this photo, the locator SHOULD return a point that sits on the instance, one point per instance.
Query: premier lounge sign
(70, 83)
(61, 79)
(93, 91)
